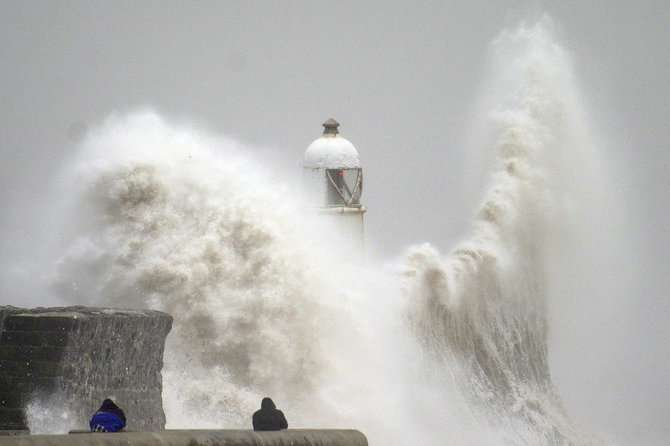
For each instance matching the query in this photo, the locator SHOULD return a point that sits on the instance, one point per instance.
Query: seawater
(433, 349)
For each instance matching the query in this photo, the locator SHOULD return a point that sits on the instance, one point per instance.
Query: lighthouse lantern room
(333, 181)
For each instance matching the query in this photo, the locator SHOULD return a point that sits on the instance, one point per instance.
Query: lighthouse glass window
(344, 186)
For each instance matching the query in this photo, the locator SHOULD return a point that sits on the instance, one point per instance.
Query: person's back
(109, 418)
(269, 418)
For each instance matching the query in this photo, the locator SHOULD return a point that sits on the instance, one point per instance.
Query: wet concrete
(290, 437)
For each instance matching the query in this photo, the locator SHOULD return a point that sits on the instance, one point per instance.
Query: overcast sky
(401, 78)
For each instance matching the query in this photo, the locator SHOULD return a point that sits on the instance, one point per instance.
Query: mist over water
(434, 348)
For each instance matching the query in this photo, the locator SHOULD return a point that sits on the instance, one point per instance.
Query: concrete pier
(290, 437)
(66, 360)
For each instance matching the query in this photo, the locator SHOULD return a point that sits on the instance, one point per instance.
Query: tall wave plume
(169, 217)
(166, 217)
(481, 311)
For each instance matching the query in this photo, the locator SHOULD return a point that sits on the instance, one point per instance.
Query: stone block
(28, 368)
(26, 353)
(12, 399)
(39, 322)
(12, 416)
(33, 338)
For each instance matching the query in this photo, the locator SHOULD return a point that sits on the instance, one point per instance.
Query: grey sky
(401, 78)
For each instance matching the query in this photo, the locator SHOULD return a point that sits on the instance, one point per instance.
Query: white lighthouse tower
(333, 183)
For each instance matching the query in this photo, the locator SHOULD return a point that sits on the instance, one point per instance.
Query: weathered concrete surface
(68, 359)
(292, 437)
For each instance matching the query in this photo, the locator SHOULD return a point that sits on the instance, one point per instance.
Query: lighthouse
(333, 183)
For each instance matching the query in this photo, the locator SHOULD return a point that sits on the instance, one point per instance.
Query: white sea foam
(169, 217)
(484, 306)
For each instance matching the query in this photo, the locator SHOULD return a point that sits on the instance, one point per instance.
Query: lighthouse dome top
(331, 151)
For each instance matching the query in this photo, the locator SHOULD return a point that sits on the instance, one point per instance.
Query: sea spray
(178, 226)
(166, 217)
(481, 312)
(169, 217)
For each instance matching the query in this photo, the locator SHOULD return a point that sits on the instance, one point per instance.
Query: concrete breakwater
(68, 359)
(293, 437)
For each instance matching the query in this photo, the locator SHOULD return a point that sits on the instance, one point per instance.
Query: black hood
(108, 405)
(267, 404)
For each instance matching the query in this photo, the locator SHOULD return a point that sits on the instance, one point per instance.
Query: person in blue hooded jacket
(109, 418)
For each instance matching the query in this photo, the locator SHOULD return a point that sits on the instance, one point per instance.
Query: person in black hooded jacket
(269, 418)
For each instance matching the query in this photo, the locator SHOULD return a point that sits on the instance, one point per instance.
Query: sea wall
(62, 362)
(294, 437)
